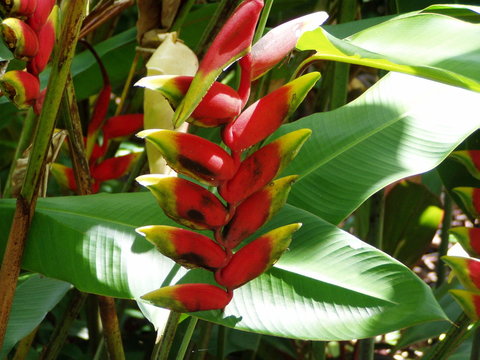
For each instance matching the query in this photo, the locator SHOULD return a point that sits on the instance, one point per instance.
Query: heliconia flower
(219, 105)
(263, 165)
(256, 210)
(470, 197)
(469, 301)
(278, 42)
(64, 176)
(189, 297)
(232, 42)
(21, 87)
(192, 155)
(122, 125)
(466, 269)
(18, 8)
(470, 159)
(185, 247)
(46, 37)
(245, 78)
(20, 38)
(41, 14)
(469, 238)
(113, 168)
(185, 202)
(255, 258)
(266, 115)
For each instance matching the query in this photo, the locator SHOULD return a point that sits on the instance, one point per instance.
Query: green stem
(221, 340)
(165, 337)
(225, 7)
(137, 169)
(366, 349)
(58, 337)
(25, 207)
(206, 331)
(29, 124)
(182, 15)
(319, 350)
(454, 337)
(24, 345)
(475, 351)
(111, 328)
(263, 20)
(444, 236)
(186, 338)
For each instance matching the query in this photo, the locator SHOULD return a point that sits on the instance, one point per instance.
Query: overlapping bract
(467, 270)
(247, 185)
(29, 29)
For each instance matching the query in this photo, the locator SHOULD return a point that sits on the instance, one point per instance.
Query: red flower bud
(41, 14)
(466, 269)
(20, 87)
(469, 238)
(219, 105)
(185, 247)
(20, 38)
(256, 210)
(267, 114)
(255, 258)
(192, 155)
(189, 297)
(469, 301)
(470, 197)
(46, 37)
(278, 42)
(470, 159)
(122, 125)
(113, 168)
(64, 176)
(18, 8)
(232, 42)
(185, 202)
(263, 165)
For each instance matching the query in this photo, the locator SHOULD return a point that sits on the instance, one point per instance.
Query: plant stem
(137, 169)
(165, 337)
(222, 12)
(454, 337)
(341, 71)
(263, 20)
(318, 350)
(58, 337)
(475, 351)
(127, 84)
(443, 248)
(24, 345)
(221, 340)
(182, 15)
(111, 329)
(74, 14)
(366, 349)
(206, 330)
(187, 337)
(29, 124)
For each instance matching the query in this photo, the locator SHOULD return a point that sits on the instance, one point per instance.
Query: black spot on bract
(195, 215)
(195, 167)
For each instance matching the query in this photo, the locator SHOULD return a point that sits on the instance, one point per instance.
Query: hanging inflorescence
(250, 194)
(29, 30)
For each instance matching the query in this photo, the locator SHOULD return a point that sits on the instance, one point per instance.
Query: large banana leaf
(402, 126)
(430, 45)
(330, 285)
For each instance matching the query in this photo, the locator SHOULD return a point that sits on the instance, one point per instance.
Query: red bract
(18, 8)
(46, 37)
(20, 38)
(41, 14)
(21, 87)
(250, 196)
(232, 42)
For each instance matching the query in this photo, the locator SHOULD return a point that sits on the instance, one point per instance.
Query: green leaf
(329, 286)
(412, 217)
(34, 297)
(5, 53)
(429, 45)
(401, 126)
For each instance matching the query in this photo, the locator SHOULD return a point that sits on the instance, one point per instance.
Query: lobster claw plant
(250, 198)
